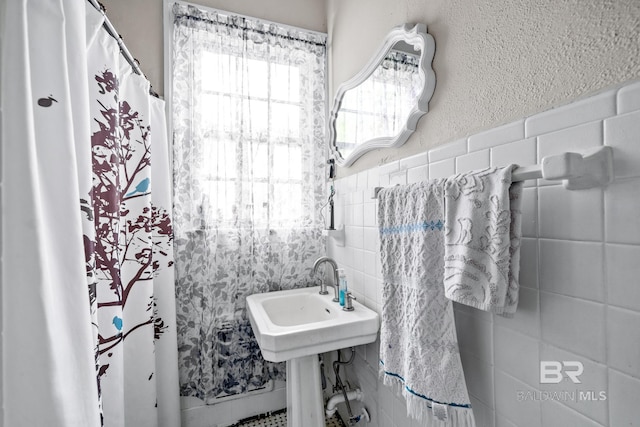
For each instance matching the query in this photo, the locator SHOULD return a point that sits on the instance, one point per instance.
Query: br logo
(551, 371)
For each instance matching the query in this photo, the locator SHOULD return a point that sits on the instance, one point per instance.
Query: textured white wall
(495, 60)
(139, 22)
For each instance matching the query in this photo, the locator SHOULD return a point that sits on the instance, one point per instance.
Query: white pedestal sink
(295, 326)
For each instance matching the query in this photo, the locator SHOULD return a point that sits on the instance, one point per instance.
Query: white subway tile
(572, 268)
(555, 414)
(347, 209)
(352, 183)
(356, 283)
(623, 275)
(482, 413)
(369, 218)
(474, 336)
(496, 136)
(357, 215)
(622, 204)
(398, 178)
(370, 236)
(574, 139)
(624, 390)
(400, 416)
(357, 196)
(517, 355)
(473, 312)
(373, 180)
(629, 98)
(442, 169)
(448, 151)
(358, 261)
(385, 399)
(623, 134)
(354, 237)
(522, 153)
(593, 379)
(529, 210)
(388, 167)
(593, 108)
(501, 421)
(473, 161)
(369, 262)
(383, 180)
(416, 160)
(528, 263)
(478, 375)
(511, 401)
(575, 215)
(371, 288)
(573, 324)
(362, 180)
(418, 174)
(385, 420)
(527, 317)
(623, 332)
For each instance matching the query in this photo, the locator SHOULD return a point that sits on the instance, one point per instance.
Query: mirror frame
(416, 36)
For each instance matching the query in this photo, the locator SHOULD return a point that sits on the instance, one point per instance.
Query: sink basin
(301, 322)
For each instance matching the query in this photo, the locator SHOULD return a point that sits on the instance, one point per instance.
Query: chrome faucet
(323, 285)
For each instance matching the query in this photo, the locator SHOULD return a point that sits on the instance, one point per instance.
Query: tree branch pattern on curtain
(128, 240)
(249, 161)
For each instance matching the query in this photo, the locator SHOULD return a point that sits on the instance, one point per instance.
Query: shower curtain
(88, 307)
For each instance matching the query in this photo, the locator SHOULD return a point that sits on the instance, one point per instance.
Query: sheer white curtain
(88, 317)
(249, 164)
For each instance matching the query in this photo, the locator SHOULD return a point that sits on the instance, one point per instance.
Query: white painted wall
(580, 286)
(495, 60)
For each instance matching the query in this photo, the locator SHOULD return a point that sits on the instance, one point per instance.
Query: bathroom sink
(300, 322)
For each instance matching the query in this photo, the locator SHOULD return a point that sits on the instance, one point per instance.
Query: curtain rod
(577, 171)
(251, 19)
(111, 30)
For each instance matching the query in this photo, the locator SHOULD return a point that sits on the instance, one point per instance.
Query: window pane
(256, 77)
(287, 199)
(218, 73)
(259, 160)
(255, 119)
(287, 162)
(219, 159)
(285, 83)
(259, 202)
(285, 120)
(219, 199)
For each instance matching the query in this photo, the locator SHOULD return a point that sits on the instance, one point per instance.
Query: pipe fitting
(332, 403)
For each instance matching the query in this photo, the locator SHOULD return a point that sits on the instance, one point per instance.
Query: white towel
(482, 239)
(418, 344)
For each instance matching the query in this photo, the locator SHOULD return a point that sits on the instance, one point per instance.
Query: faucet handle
(348, 304)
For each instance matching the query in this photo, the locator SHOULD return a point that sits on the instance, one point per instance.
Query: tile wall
(580, 272)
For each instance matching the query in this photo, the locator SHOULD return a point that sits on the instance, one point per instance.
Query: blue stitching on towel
(407, 228)
(459, 405)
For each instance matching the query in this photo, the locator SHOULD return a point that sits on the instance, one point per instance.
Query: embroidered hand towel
(418, 344)
(482, 239)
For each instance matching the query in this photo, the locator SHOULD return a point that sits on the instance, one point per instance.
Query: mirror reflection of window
(380, 106)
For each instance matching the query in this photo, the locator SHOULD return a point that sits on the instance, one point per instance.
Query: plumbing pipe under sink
(332, 404)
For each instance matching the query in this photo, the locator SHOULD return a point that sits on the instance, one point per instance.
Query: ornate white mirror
(381, 105)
